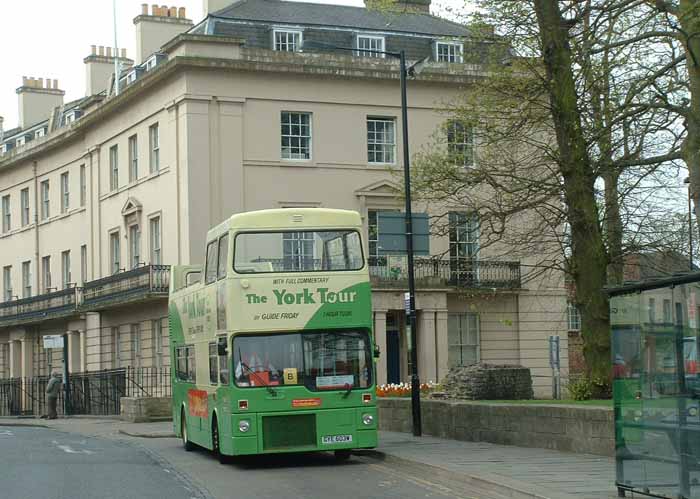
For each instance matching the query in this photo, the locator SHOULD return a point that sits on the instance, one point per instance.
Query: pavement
(461, 469)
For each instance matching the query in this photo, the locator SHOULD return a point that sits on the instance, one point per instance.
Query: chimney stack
(153, 31)
(422, 6)
(36, 100)
(211, 6)
(99, 68)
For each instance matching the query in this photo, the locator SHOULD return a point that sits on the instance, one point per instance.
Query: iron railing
(92, 393)
(126, 286)
(139, 283)
(49, 305)
(438, 272)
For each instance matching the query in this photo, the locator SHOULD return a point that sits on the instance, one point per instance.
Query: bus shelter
(656, 387)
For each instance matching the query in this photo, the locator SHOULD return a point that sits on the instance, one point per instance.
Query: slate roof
(315, 14)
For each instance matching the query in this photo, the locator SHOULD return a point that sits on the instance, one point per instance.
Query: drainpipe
(37, 269)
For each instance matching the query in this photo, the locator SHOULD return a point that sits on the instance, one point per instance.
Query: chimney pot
(164, 10)
(55, 84)
(181, 13)
(41, 83)
(101, 50)
(93, 49)
(172, 12)
(144, 9)
(25, 81)
(109, 51)
(123, 53)
(154, 10)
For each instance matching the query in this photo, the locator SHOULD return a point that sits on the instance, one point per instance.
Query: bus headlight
(367, 419)
(692, 411)
(243, 426)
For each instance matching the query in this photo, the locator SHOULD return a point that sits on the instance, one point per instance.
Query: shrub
(580, 388)
(404, 389)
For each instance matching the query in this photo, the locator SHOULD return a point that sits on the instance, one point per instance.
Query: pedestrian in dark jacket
(53, 388)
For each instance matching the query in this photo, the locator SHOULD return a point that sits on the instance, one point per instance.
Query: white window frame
(294, 32)
(115, 257)
(46, 273)
(45, 200)
(131, 77)
(6, 213)
(27, 279)
(7, 282)
(65, 192)
(65, 269)
(309, 137)
(113, 167)
(573, 317)
(83, 185)
(20, 141)
(69, 118)
(155, 239)
(151, 63)
(134, 246)
(133, 147)
(39, 133)
(24, 206)
(83, 264)
(116, 347)
(154, 148)
(464, 343)
(157, 333)
(135, 337)
(458, 55)
(370, 38)
(457, 147)
(384, 120)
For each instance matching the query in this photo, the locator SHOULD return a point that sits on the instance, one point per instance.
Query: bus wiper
(348, 390)
(272, 391)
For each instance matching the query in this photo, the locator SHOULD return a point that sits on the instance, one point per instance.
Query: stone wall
(560, 427)
(146, 409)
(488, 382)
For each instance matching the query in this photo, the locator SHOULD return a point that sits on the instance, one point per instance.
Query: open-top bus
(271, 338)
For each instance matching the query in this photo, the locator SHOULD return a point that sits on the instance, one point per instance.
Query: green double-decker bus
(271, 339)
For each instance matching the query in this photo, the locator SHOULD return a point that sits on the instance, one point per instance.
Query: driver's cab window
(212, 248)
(223, 256)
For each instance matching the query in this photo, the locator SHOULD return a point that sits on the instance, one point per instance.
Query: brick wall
(577, 364)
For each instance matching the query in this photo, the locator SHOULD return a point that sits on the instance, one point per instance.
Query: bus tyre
(342, 455)
(216, 443)
(189, 446)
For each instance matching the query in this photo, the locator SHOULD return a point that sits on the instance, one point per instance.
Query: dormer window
(3, 148)
(448, 51)
(366, 42)
(20, 141)
(286, 40)
(71, 116)
(131, 77)
(151, 62)
(39, 133)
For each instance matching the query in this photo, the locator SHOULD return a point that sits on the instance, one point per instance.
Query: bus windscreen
(319, 360)
(301, 251)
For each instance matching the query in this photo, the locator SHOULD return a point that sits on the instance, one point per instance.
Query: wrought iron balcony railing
(139, 283)
(436, 272)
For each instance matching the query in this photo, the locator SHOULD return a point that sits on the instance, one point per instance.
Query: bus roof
(288, 218)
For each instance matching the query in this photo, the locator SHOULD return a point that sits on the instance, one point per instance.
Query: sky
(50, 39)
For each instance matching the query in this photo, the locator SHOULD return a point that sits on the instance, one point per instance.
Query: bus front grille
(285, 432)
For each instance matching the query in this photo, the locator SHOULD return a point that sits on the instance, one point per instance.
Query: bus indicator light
(366, 398)
(243, 405)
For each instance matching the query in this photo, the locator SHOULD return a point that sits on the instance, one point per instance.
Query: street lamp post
(401, 56)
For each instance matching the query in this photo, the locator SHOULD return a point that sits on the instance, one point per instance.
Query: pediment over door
(131, 211)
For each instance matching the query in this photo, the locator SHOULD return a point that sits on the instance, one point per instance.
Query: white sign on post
(407, 303)
(53, 341)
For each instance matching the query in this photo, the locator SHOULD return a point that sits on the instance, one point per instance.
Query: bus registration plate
(336, 439)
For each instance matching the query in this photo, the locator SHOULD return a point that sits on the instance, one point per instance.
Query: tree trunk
(689, 20)
(589, 259)
(613, 228)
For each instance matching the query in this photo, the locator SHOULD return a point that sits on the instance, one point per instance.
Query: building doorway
(393, 349)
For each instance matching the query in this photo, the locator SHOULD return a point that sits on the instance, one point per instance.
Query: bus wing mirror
(377, 353)
(221, 346)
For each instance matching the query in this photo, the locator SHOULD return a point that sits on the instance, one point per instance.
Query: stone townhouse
(231, 114)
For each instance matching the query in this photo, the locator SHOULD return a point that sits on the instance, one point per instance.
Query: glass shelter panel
(656, 389)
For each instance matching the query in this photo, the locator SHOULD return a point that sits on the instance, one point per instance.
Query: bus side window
(223, 256)
(210, 275)
(213, 364)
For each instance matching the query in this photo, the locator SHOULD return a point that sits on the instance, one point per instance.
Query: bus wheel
(342, 455)
(216, 443)
(189, 446)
